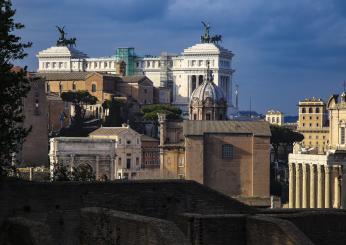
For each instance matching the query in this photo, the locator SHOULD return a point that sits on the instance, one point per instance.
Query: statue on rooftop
(206, 38)
(62, 41)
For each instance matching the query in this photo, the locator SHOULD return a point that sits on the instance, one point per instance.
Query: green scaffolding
(128, 56)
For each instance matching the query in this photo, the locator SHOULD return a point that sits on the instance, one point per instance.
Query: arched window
(93, 88)
(303, 110)
(310, 110)
(317, 110)
(200, 79)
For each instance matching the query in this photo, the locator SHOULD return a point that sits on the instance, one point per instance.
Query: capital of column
(327, 169)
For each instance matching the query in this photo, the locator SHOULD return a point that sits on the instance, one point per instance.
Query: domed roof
(208, 89)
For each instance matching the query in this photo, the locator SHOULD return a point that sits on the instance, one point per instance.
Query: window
(317, 110)
(128, 163)
(342, 135)
(227, 151)
(128, 142)
(303, 124)
(119, 161)
(137, 160)
(317, 124)
(60, 87)
(181, 162)
(207, 116)
(317, 118)
(194, 116)
(145, 91)
(310, 110)
(48, 88)
(303, 110)
(74, 86)
(93, 88)
(303, 118)
(119, 141)
(310, 125)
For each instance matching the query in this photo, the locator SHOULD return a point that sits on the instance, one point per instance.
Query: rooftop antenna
(236, 96)
(250, 108)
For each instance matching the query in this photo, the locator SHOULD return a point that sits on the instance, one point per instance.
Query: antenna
(236, 96)
(250, 107)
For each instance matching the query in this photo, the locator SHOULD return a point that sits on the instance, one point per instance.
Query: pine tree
(13, 87)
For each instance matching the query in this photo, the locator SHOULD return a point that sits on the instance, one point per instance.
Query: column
(112, 174)
(97, 168)
(291, 197)
(312, 186)
(72, 162)
(305, 187)
(298, 187)
(327, 170)
(336, 203)
(319, 186)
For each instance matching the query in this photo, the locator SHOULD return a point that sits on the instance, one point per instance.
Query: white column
(320, 178)
(312, 186)
(336, 203)
(327, 170)
(291, 189)
(112, 174)
(305, 186)
(298, 185)
(72, 162)
(97, 168)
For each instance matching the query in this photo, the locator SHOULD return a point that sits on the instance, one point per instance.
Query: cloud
(279, 45)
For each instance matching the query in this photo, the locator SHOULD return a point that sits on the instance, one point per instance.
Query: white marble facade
(182, 73)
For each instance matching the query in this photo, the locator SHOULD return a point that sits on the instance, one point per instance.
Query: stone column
(31, 173)
(305, 187)
(319, 186)
(298, 185)
(291, 189)
(97, 168)
(112, 168)
(327, 170)
(336, 203)
(71, 162)
(312, 186)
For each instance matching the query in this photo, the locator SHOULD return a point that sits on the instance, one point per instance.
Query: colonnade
(314, 185)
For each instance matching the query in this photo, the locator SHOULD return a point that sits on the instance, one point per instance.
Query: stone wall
(104, 226)
(268, 230)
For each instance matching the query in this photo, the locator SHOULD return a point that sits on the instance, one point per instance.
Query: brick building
(150, 152)
(35, 147)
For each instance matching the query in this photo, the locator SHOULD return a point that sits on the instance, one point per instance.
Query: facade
(319, 181)
(150, 152)
(35, 147)
(74, 151)
(313, 124)
(229, 156)
(128, 149)
(112, 152)
(275, 117)
(139, 88)
(181, 74)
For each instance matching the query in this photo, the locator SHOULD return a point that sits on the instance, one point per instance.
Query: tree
(282, 136)
(79, 99)
(61, 173)
(114, 118)
(13, 87)
(150, 112)
(83, 172)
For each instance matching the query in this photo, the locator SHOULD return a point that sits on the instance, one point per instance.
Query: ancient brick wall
(266, 230)
(104, 226)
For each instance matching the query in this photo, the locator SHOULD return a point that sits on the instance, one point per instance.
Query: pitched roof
(135, 79)
(64, 76)
(257, 128)
(148, 138)
(109, 131)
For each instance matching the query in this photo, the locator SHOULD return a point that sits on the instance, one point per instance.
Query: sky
(285, 50)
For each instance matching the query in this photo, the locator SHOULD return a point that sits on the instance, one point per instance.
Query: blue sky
(284, 50)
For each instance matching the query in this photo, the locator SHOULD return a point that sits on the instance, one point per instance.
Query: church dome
(207, 90)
